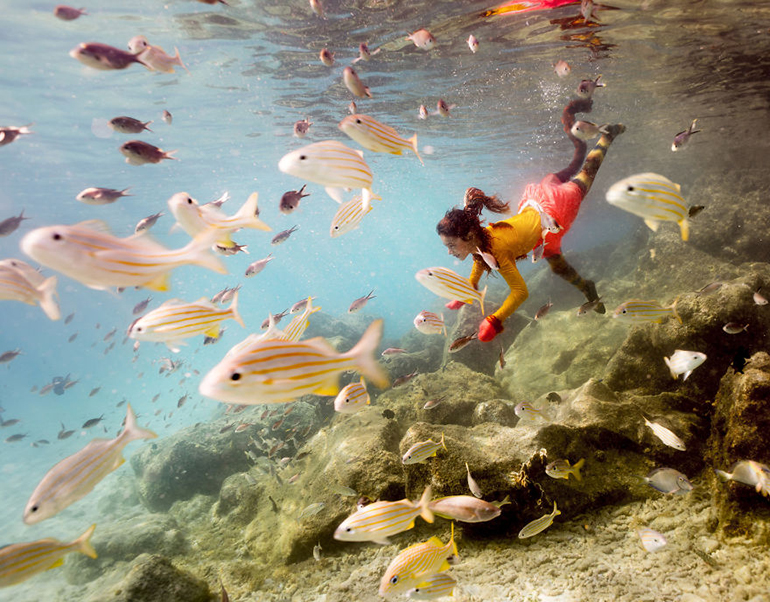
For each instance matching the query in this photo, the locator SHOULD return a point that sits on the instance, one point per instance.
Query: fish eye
(235, 376)
(189, 200)
(138, 329)
(430, 273)
(358, 121)
(630, 189)
(56, 236)
(394, 579)
(302, 157)
(33, 509)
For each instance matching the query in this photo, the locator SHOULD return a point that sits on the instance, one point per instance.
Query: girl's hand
(489, 328)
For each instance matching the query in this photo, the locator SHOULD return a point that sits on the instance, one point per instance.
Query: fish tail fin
(670, 369)
(452, 539)
(684, 227)
(722, 474)
(413, 142)
(366, 200)
(425, 512)
(481, 299)
(83, 543)
(364, 353)
(170, 154)
(249, 212)
(596, 82)
(692, 125)
(578, 465)
(556, 511)
(125, 190)
(132, 430)
(673, 309)
(48, 302)
(178, 60)
(198, 251)
(234, 310)
(442, 442)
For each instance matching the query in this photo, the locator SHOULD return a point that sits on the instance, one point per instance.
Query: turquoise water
(254, 71)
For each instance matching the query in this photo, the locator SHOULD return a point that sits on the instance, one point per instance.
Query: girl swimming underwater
(546, 213)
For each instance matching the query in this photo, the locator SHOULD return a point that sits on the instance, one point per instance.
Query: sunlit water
(254, 71)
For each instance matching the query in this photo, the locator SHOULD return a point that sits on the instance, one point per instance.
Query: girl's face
(457, 247)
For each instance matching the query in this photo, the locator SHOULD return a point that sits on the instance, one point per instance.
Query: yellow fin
(159, 283)
(56, 564)
(213, 332)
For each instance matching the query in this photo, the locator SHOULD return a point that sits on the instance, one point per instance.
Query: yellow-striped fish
(531, 414)
(298, 324)
(429, 323)
(333, 165)
(75, 476)
(539, 524)
(423, 450)
(194, 218)
(433, 587)
(412, 565)
(376, 136)
(378, 521)
(652, 540)
(15, 285)
(176, 320)
(275, 371)
(638, 312)
(652, 197)
(20, 561)
(352, 399)
(349, 216)
(561, 469)
(90, 254)
(450, 285)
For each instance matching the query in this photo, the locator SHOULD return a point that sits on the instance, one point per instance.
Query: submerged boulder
(739, 431)
(153, 578)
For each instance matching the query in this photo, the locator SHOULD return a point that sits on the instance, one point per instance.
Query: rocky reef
(248, 504)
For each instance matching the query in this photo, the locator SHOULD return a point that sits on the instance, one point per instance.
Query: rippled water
(254, 71)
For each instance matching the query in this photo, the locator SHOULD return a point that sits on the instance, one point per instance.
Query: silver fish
(147, 222)
(668, 480)
(290, 200)
(683, 138)
(283, 236)
(11, 224)
(665, 435)
(586, 87)
(472, 484)
(360, 302)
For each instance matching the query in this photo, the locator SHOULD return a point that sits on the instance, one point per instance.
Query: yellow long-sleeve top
(511, 238)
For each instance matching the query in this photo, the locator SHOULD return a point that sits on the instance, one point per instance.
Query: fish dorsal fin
(322, 344)
(170, 302)
(98, 225)
(206, 302)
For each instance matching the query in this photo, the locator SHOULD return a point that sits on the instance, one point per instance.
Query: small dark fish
(68, 13)
(120, 403)
(94, 391)
(236, 248)
(586, 87)
(141, 306)
(360, 302)
(389, 414)
(181, 401)
(683, 138)
(502, 358)
(709, 288)
(7, 423)
(740, 358)
(432, 403)
(167, 117)
(553, 397)
(69, 318)
(229, 293)
(272, 502)
(147, 222)
(327, 58)
(458, 344)
(276, 318)
(393, 351)
(64, 433)
(290, 200)
(543, 311)
(40, 442)
(276, 425)
(11, 224)
(224, 597)
(282, 236)
(734, 327)
(141, 153)
(110, 334)
(9, 133)
(14, 438)
(695, 210)
(302, 127)
(404, 379)
(9, 356)
(93, 422)
(103, 57)
(129, 125)
(588, 306)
